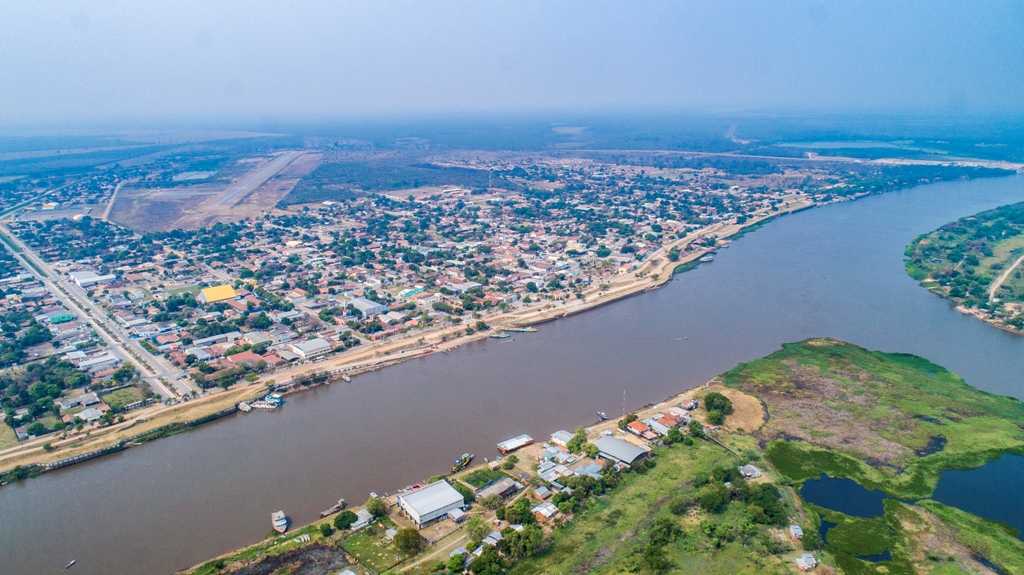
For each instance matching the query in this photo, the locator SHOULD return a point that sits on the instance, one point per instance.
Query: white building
(311, 348)
(86, 279)
(430, 503)
(367, 307)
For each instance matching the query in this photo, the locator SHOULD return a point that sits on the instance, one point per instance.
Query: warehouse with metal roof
(615, 449)
(431, 503)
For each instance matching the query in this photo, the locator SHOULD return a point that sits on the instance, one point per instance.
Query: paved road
(254, 179)
(165, 379)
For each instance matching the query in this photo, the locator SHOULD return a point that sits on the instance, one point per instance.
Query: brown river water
(833, 271)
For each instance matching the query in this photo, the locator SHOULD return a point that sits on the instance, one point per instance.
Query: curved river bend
(833, 271)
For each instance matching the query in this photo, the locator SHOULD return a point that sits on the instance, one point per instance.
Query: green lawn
(118, 399)
(7, 437)
(371, 549)
(481, 477)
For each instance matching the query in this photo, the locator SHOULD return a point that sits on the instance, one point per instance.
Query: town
(120, 319)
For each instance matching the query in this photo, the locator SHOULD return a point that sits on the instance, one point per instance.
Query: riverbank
(690, 489)
(974, 262)
(654, 272)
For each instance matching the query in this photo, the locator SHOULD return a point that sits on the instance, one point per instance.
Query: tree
(456, 563)
(673, 435)
(630, 418)
(344, 520)
(716, 417)
(477, 529)
(408, 539)
(35, 428)
(715, 401)
(325, 529)
(591, 450)
(376, 506)
(696, 429)
(517, 544)
(578, 439)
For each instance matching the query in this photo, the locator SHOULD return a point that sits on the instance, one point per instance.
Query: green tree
(376, 506)
(630, 418)
(35, 428)
(578, 439)
(673, 435)
(477, 529)
(344, 520)
(716, 417)
(408, 539)
(325, 529)
(715, 401)
(456, 563)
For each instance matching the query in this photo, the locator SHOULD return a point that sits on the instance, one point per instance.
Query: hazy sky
(206, 60)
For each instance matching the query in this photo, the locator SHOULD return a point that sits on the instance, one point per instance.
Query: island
(718, 479)
(975, 262)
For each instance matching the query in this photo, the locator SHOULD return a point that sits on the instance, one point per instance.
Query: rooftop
(219, 293)
(437, 495)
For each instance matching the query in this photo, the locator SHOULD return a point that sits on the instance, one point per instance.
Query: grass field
(369, 546)
(481, 477)
(888, 421)
(118, 399)
(7, 437)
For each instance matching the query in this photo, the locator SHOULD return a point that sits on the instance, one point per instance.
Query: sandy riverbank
(656, 271)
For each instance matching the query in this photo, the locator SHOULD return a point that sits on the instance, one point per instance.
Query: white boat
(279, 521)
(264, 404)
(346, 378)
(707, 259)
(244, 407)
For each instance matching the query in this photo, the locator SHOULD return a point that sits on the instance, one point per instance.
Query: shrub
(344, 520)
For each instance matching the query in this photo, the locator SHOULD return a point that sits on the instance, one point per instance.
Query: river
(832, 271)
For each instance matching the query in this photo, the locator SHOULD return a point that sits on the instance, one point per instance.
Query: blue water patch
(992, 491)
(843, 495)
(883, 556)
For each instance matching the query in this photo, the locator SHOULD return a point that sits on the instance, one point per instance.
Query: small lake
(991, 491)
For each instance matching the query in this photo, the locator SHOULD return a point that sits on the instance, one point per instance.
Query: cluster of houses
(23, 293)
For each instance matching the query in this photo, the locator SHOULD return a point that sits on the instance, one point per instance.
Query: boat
(602, 415)
(707, 259)
(279, 521)
(461, 462)
(333, 509)
(264, 404)
(522, 329)
(501, 335)
(346, 378)
(244, 407)
(70, 563)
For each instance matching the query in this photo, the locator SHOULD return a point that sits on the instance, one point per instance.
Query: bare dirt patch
(748, 413)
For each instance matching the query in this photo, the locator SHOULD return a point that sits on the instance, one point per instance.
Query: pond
(991, 491)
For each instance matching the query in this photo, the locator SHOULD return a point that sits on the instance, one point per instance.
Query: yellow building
(217, 293)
